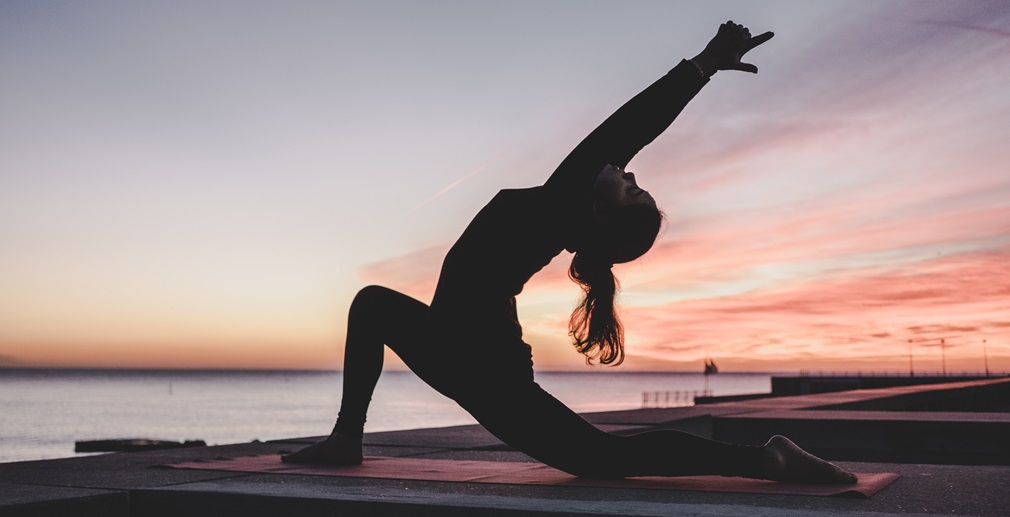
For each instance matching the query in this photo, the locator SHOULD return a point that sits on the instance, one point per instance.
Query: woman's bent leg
(381, 316)
(378, 317)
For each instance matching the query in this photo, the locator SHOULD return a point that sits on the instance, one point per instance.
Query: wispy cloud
(497, 158)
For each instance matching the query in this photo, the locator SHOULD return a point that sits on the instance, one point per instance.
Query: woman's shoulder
(528, 197)
(537, 194)
(538, 202)
(521, 192)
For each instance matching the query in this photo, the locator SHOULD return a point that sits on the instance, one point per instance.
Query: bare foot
(336, 449)
(786, 461)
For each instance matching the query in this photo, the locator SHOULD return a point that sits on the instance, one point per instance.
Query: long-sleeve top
(521, 230)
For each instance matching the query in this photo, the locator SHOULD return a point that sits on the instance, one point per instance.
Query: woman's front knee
(369, 296)
(371, 292)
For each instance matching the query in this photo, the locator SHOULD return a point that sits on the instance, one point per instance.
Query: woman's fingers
(731, 42)
(757, 40)
(747, 67)
(751, 43)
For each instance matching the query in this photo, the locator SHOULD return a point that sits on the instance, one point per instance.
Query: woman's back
(512, 238)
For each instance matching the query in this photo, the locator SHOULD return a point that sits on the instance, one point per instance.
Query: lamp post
(943, 357)
(985, 354)
(911, 370)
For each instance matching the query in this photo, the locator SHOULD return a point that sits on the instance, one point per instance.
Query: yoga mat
(472, 471)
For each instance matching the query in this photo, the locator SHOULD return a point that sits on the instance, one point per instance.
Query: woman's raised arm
(639, 121)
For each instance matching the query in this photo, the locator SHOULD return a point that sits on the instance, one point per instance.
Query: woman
(468, 343)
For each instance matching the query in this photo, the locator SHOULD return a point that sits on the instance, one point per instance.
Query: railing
(666, 399)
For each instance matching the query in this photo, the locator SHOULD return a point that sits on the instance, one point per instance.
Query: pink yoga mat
(470, 471)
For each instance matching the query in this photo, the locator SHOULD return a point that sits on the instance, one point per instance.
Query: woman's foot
(336, 449)
(786, 461)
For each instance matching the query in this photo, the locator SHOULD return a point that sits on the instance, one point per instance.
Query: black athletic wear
(468, 344)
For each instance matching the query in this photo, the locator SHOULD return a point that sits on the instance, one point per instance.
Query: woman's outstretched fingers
(749, 44)
(786, 461)
(725, 50)
(759, 39)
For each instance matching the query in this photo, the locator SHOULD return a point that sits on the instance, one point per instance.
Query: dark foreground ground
(951, 462)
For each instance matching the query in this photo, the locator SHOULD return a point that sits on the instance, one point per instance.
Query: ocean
(45, 411)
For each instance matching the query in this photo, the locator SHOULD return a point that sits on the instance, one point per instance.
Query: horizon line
(878, 373)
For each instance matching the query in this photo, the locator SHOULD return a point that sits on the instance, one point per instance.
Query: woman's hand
(727, 48)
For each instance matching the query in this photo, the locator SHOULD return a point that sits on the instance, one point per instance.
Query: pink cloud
(960, 298)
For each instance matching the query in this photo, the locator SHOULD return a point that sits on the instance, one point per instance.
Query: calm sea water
(45, 411)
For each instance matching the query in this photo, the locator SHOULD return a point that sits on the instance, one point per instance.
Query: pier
(952, 461)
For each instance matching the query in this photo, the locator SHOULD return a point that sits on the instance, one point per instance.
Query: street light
(943, 357)
(985, 354)
(911, 370)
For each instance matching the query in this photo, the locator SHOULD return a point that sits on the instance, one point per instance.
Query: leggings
(511, 406)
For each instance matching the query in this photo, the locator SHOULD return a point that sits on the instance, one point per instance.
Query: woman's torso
(515, 235)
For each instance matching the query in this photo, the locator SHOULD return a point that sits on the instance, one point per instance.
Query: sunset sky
(208, 184)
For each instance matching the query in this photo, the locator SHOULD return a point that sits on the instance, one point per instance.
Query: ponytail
(625, 234)
(594, 324)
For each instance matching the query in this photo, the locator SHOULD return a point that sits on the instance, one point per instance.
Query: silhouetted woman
(468, 343)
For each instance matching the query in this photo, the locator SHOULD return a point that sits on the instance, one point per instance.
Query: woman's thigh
(404, 325)
(534, 422)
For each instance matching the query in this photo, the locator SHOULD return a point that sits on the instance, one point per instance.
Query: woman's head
(623, 226)
(615, 186)
(625, 219)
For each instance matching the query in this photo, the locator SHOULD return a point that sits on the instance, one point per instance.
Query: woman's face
(616, 188)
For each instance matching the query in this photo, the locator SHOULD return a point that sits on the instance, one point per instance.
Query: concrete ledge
(923, 490)
(40, 500)
(880, 439)
(855, 426)
(212, 500)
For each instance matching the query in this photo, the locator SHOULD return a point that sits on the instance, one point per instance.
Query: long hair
(626, 234)
(594, 324)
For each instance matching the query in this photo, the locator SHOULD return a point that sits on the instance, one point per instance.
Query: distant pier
(828, 382)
